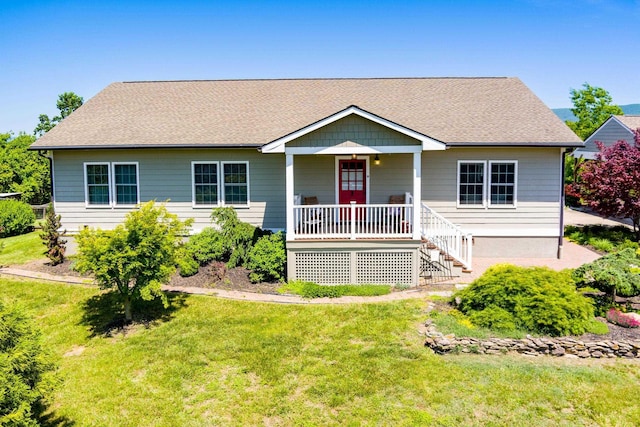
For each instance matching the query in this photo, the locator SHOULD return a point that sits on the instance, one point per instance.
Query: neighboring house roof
(614, 129)
(632, 122)
(252, 113)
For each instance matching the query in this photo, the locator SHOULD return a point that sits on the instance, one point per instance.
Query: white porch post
(417, 194)
(289, 195)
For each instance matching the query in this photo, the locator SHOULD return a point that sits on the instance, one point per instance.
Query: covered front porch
(353, 201)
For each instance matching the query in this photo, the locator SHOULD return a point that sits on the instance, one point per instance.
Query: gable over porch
(350, 165)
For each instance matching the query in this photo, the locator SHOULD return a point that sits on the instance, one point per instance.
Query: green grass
(21, 249)
(207, 361)
(313, 290)
(602, 238)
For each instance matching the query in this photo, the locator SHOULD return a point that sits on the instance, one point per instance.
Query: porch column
(417, 194)
(289, 195)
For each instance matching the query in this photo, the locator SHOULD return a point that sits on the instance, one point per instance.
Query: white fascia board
(361, 149)
(277, 146)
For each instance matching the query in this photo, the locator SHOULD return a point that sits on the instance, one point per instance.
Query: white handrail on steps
(447, 236)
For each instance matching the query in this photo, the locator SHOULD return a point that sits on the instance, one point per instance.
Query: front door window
(352, 185)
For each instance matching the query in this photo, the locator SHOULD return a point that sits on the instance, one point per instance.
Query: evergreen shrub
(25, 368)
(535, 299)
(267, 259)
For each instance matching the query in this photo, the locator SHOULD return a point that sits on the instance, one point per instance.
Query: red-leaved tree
(610, 185)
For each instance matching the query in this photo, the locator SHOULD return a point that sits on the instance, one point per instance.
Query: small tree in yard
(52, 237)
(611, 184)
(136, 258)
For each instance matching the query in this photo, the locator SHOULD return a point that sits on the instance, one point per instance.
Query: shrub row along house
(371, 179)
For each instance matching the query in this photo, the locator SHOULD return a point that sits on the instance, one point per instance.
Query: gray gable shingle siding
(251, 113)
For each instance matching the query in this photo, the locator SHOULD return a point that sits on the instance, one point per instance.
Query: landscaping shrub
(535, 299)
(239, 235)
(24, 368)
(187, 264)
(208, 245)
(16, 218)
(267, 258)
(52, 237)
(613, 274)
(313, 290)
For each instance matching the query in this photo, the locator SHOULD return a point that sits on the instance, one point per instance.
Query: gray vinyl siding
(166, 175)
(609, 133)
(316, 176)
(353, 131)
(538, 191)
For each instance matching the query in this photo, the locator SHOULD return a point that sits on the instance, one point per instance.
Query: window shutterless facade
(111, 184)
(490, 183)
(220, 183)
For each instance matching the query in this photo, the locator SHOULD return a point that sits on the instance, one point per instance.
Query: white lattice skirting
(388, 267)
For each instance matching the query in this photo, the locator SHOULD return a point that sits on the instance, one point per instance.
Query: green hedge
(16, 218)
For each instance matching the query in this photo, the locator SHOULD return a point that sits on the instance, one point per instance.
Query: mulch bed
(214, 275)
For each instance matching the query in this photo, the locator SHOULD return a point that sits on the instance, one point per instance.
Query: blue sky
(48, 47)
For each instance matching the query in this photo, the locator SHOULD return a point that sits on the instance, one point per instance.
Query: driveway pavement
(573, 255)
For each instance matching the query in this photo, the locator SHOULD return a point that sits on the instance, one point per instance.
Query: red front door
(352, 181)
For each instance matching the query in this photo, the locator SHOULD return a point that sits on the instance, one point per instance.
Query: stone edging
(559, 347)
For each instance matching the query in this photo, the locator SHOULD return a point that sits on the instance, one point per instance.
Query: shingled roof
(251, 113)
(632, 122)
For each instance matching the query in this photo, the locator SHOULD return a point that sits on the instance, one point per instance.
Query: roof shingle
(251, 113)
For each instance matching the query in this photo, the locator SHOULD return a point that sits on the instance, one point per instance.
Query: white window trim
(515, 185)
(111, 170)
(221, 184)
(482, 205)
(193, 184)
(112, 180)
(86, 185)
(486, 185)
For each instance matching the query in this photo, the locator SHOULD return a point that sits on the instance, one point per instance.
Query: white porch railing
(447, 236)
(353, 221)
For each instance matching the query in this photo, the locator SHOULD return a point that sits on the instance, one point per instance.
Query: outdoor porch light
(354, 156)
(376, 161)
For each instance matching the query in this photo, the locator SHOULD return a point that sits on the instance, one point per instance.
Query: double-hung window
(111, 184)
(471, 183)
(205, 183)
(487, 183)
(220, 183)
(502, 183)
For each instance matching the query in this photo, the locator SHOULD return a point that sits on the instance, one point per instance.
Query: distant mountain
(566, 114)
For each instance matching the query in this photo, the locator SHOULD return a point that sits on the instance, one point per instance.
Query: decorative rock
(560, 347)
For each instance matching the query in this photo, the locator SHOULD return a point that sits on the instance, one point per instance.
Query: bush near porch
(537, 300)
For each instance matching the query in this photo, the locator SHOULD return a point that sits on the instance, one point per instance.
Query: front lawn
(207, 361)
(21, 249)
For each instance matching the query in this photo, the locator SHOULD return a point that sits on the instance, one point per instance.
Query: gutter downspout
(41, 153)
(562, 197)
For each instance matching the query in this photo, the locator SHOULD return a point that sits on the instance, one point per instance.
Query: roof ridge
(319, 79)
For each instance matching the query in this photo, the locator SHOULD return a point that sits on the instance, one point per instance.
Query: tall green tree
(67, 103)
(23, 171)
(592, 106)
(136, 258)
